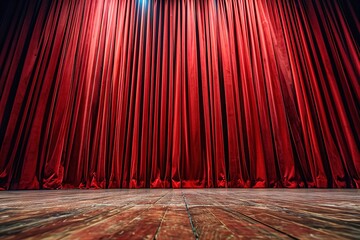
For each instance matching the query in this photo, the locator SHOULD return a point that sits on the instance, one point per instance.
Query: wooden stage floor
(181, 214)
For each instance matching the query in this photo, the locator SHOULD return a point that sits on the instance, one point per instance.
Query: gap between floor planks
(187, 214)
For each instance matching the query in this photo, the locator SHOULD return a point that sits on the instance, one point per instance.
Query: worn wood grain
(181, 214)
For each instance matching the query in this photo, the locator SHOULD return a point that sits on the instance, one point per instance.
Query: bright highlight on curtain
(227, 93)
(143, 2)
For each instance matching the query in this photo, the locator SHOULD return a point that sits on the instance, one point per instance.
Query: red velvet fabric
(150, 93)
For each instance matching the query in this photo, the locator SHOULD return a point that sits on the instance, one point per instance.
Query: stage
(182, 213)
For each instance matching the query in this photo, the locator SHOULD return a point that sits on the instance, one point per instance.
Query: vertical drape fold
(134, 94)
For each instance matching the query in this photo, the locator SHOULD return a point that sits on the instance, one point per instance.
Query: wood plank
(181, 213)
(175, 224)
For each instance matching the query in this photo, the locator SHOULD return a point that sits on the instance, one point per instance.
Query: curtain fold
(135, 94)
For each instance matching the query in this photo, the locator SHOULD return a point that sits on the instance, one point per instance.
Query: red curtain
(150, 93)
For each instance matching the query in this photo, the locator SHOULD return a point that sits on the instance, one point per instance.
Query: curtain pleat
(186, 93)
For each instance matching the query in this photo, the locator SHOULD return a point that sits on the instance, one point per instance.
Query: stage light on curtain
(225, 93)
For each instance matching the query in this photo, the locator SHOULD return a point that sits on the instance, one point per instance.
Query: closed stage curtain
(186, 93)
